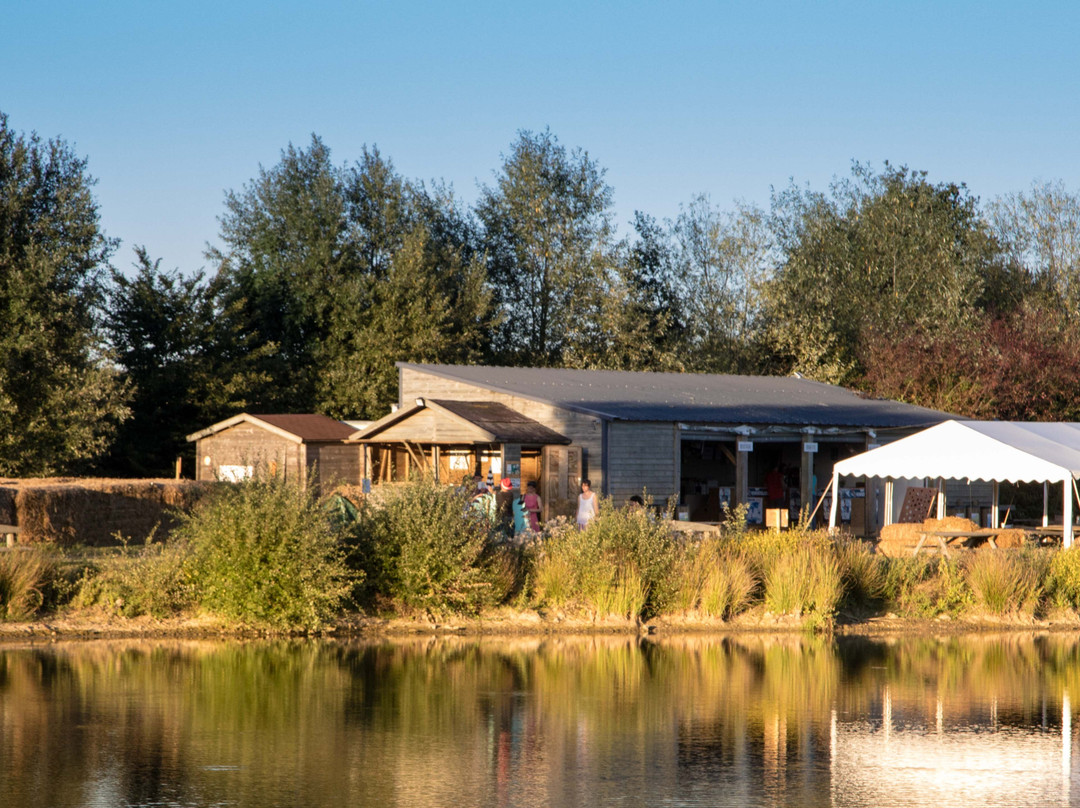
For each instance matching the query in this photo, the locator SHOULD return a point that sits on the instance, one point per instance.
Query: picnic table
(946, 537)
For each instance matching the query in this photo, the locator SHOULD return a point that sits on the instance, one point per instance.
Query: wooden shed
(454, 440)
(296, 446)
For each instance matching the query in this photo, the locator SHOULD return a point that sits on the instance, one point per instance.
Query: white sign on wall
(809, 448)
(746, 446)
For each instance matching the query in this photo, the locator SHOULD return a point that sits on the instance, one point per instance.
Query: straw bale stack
(95, 512)
(901, 539)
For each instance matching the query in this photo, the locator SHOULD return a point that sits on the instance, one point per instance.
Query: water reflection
(737, 720)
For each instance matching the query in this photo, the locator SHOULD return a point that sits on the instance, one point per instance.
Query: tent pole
(835, 504)
(888, 501)
(1046, 499)
(1067, 514)
(995, 519)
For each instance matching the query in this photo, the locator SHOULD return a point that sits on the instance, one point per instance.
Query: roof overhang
(442, 422)
(244, 418)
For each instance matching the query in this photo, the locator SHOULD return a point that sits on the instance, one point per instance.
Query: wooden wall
(335, 464)
(642, 455)
(248, 445)
(585, 431)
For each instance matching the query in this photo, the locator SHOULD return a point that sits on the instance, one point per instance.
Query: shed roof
(298, 427)
(492, 422)
(691, 397)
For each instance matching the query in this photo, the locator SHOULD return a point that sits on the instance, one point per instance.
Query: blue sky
(175, 103)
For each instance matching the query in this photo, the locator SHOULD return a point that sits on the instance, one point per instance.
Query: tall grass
(147, 580)
(1003, 584)
(27, 576)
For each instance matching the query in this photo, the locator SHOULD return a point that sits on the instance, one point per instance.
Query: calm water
(739, 721)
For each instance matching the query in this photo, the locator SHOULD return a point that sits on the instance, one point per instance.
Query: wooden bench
(946, 537)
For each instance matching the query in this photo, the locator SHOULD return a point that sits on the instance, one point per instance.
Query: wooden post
(179, 466)
(742, 474)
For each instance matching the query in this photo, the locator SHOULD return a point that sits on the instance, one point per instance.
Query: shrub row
(266, 553)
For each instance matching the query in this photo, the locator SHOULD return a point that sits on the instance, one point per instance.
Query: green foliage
(621, 557)
(423, 547)
(1063, 579)
(546, 227)
(148, 580)
(264, 552)
(1005, 583)
(924, 587)
(60, 397)
(884, 251)
(334, 273)
(806, 580)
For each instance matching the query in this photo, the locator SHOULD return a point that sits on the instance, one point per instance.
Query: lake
(710, 720)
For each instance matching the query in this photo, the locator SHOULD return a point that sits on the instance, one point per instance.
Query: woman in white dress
(586, 505)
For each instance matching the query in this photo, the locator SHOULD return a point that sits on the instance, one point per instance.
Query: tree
(1040, 232)
(339, 272)
(885, 252)
(60, 396)
(723, 260)
(186, 364)
(546, 231)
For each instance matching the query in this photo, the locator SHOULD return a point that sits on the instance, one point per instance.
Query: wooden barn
(702, 438)
(296, 446)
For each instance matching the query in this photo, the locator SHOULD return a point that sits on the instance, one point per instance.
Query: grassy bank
(268, 555)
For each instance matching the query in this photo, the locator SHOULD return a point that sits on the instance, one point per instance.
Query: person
(636, 504)
(504, 508)
(774, 486)
(483, 502)
(586, 505)
(533, 506)
(521, 521)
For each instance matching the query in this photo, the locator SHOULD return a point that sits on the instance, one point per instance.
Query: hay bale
(902, 539)
(99, 512)
(1010, 538)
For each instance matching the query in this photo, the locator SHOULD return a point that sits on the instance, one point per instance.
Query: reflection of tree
(464, 721)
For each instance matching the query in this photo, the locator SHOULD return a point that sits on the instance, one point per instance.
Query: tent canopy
(1005, 451)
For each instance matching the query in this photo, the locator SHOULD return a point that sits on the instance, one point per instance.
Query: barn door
(560, 475)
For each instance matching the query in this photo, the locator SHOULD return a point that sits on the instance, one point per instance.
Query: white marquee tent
(997, 451)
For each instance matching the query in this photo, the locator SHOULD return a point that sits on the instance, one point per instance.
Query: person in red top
(774, 486)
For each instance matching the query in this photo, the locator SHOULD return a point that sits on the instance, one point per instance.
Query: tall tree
(60, 396)
(184, 360)
(884, 251)
(1040, 230)
(723, 261)
(340, 272)
(546, 232)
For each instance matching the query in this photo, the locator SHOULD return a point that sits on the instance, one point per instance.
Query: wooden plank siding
(583, 430)
(335, 464)
(248, 445)
(641, 455)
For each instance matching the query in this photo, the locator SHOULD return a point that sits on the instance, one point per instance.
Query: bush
(423, 547)
(150, 580)
(264, 552)
(924, 587)
(1063, 579)
(1003, 582)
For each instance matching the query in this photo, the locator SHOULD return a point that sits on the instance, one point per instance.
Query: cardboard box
(776, 518)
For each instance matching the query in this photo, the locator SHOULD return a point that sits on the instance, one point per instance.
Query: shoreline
(509, 623)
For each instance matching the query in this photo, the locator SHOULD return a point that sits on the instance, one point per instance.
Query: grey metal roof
(691, 397)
